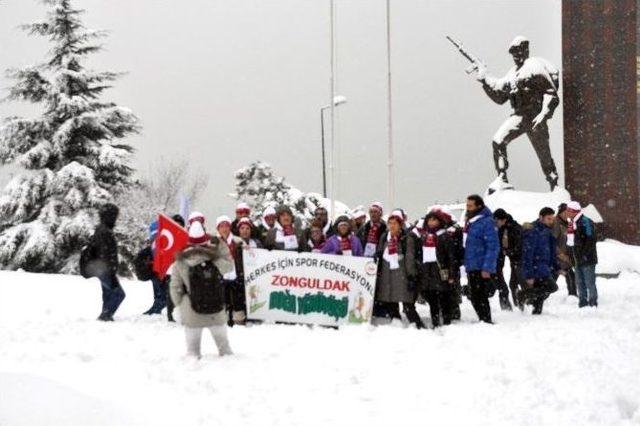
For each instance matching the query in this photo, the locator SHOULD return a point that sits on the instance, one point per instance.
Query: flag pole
(390, 173)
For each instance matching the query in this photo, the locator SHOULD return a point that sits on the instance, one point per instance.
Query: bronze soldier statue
(531, 87)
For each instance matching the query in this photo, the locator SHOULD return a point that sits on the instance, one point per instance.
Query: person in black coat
(510, 236)
(581, 239)
(371, 232)
(438, 268)
(104, 264)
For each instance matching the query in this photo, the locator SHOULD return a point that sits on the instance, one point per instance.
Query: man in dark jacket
(539, 262)
(510, 237)
(581, 237)
(370, 233)
(481, 248)
(105, 262)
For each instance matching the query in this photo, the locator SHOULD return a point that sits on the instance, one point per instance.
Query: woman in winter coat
(233, 280)
(438, 268)
(344, 242)
(285, 235)
(397, 274)
(201, 250)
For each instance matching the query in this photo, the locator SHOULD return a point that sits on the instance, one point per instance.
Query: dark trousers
(391, 310)
(441, 304)
(159, 296)
(539, 292)
(170, 305)
(479, 290)
(235, 298)
(570, 278)
(112, 295)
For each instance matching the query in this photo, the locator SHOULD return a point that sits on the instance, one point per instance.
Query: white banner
(308, 288)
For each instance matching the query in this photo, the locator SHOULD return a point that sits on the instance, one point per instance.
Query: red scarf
(393, 245)
(288, 230)
(345, 243)
(372, 237)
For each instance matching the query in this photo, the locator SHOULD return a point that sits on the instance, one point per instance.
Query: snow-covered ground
(58, 366)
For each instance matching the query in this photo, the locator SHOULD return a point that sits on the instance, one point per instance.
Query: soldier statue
(531, 87)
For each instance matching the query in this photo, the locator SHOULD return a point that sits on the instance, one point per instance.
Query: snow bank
(566, 367)
(615, 257)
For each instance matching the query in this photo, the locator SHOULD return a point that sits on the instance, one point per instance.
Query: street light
(337, 100)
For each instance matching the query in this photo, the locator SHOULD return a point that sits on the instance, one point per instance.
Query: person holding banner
(233, 283)
(370, 233)
(397, 273)
(317, 239)
(344, 243)
(197, 289)
(285, 235)
(439, 268)
(267, 224)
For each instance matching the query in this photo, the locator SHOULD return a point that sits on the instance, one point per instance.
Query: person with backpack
(581, 239)
(438, 267)
(343, 243)
(198, 291)
(233, 281)
(103, 262)
(481, 249)
(397, 273)
(539, 261)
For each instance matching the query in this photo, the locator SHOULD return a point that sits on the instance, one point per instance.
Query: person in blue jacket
(481, 250)
(539, 261)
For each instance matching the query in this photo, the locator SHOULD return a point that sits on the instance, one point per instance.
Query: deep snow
(58, 366)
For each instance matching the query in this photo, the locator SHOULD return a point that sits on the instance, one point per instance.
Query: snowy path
(58, 366)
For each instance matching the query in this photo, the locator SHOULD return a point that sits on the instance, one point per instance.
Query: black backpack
(143, 264)
(206, 290)
(87, 256)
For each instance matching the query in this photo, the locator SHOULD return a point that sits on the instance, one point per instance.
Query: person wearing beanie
(510, 237)
(481, 250)
(563, 252)
(359, 219)
(539, 261)
(242, 211)
(438, 268)
(285, 235)
(233, 281)
(397, 274)
(317, 240)
(203, 261)
(344, 243)
(371, 232)
(104, 261)
(266, 224)
(581, 239)
(159, 289)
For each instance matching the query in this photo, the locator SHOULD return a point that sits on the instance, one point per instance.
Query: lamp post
(337, 100)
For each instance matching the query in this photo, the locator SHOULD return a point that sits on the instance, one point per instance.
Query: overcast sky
(224, 83)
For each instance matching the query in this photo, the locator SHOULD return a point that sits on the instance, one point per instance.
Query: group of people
(416, 262)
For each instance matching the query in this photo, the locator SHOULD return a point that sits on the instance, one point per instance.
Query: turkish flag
(171, 238)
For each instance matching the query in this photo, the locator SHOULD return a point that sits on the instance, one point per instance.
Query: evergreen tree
(72, 154)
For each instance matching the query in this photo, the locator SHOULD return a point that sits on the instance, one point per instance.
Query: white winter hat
(377, 205)
(195, 217)
(574, 206)
(397, 214)
(359, 214)
(269, 211)
(223, 219)
(243, 207)
(517, 42)
(197, 235)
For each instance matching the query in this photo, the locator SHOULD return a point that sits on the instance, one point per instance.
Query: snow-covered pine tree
(72, 154)
(258, 186)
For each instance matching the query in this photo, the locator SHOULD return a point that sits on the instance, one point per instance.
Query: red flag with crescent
(171, 238)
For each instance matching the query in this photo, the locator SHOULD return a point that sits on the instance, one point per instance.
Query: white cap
(197, 234)
(398, 214)
(269, 211)
(377, 205)
(359, 214)
(574, 205)
(195, 217)
(222, 219)
(243, 206)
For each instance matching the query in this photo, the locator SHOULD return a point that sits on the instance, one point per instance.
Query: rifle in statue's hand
(476, 64)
